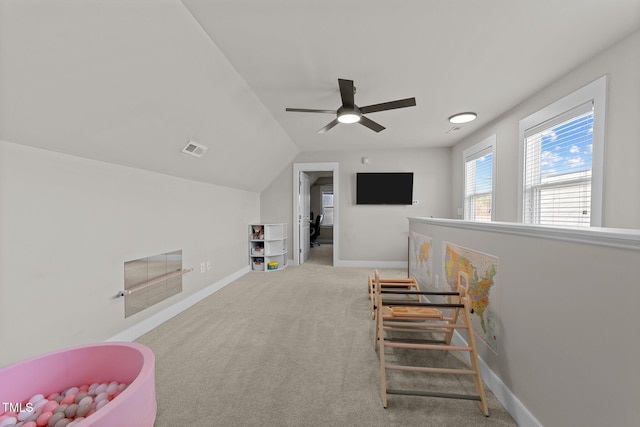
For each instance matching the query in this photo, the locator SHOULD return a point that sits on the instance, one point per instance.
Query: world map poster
(481, 270)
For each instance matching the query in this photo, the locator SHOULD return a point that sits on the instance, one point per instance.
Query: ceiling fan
(349, 112)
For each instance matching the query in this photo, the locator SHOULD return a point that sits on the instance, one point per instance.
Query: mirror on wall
(145, 284)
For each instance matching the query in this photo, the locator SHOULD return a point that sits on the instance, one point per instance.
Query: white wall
(622, 174)
(371, 233)
(567, 335)
(67, 225)
(136, 96)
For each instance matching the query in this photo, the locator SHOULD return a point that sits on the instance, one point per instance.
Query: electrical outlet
(437, 282)
(202, 267)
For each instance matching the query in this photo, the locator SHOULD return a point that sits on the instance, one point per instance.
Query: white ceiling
(452, 55)
(131, 81)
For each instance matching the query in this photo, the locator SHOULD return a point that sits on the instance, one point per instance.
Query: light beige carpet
(294, 348)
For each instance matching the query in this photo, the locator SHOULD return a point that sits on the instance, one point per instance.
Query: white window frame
(482, 148)
(595, 92)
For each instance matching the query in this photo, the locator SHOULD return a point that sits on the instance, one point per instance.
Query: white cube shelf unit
(268, 246)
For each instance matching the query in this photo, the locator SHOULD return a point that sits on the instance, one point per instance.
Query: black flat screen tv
(384, 188)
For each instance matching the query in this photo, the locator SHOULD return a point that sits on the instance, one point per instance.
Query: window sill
(622, 238)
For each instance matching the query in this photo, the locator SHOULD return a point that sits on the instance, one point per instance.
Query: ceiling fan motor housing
(349, 115)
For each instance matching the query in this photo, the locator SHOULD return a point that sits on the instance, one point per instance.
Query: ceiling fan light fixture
(463, 118)
(349, 117)
(349, 114)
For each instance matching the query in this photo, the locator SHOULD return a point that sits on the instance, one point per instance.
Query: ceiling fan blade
(371, 124)
(329, 126)
(307, 110)
(346, 92)
(401, 103)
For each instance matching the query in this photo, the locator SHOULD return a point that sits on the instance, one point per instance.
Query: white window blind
(327, 205)
(479, 166)
(558, 169)
(478, 192)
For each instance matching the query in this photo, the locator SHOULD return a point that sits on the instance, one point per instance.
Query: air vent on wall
(194, 149)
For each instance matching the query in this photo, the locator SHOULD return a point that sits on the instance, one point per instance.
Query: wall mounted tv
(384, 188)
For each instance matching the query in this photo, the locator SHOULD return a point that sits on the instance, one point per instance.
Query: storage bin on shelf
(258, 250)
(258, 264)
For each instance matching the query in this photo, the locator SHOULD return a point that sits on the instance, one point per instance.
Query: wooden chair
(415, 319)
(408, 284)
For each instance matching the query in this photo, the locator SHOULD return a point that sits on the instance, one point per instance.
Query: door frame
(304, 210)
(316, 167)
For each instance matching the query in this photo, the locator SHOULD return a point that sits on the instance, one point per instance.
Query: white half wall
(565, 324)
(68, 224)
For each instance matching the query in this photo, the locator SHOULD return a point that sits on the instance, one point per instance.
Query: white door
(304, 216)
(296, 211)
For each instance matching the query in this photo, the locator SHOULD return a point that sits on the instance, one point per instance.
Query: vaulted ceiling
(132, 81)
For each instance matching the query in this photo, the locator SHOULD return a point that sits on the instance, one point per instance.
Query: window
(327, 205)
(478, 180)
(557, 170)
(562, 157)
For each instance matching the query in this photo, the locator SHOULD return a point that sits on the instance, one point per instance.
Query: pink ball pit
(129, 363)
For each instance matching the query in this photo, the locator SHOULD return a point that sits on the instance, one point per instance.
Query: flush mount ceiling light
(462, 118)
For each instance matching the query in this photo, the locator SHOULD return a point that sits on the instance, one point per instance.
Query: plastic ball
(70, 412)
(101, 404)
(61, 408)
(64, 409)
(43, 419)
(24, 414)
(50, 406)
(83, 410)
(69, 398)
(87, 400)
(39, 404)
(9, 421)
(36, 398)
(55, 418)
(112, 388)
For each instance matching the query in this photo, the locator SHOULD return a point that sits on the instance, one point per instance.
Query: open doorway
(315, 203)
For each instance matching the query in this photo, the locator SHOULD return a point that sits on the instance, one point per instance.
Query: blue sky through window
(484, 176)
(567, 147)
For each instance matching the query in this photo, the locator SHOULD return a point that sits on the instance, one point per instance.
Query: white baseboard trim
(511, 403)
(146, 325)
(372, 264)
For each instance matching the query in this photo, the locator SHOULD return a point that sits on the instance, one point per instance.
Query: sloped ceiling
(131, 81)
(451, 55)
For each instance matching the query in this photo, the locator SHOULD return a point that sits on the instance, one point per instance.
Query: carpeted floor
(295, 348)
